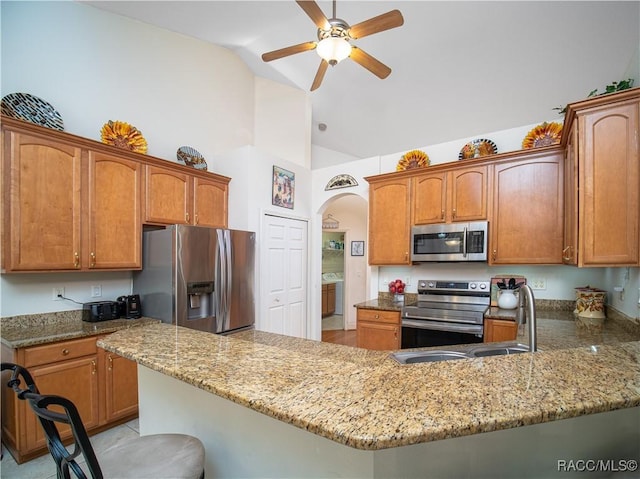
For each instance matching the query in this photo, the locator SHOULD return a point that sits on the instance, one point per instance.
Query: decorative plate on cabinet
(478, 148)
(545, 134)
(24, 106)
(123, 135)
(191, 157)
(413, 159)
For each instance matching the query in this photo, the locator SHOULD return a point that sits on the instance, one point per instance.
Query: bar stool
(153, 456)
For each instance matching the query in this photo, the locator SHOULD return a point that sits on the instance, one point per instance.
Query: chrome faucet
(530, 315)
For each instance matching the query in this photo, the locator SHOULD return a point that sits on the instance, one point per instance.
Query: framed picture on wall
(357, 248)
(283, 187)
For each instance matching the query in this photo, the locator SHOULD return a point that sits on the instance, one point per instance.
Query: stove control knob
(431, 284)
(483, 286)
(472, 286)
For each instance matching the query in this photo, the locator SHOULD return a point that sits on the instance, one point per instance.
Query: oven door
(422, 333)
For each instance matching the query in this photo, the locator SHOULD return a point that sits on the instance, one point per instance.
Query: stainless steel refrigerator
(197, 277)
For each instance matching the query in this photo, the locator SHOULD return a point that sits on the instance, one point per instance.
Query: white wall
(283, 121)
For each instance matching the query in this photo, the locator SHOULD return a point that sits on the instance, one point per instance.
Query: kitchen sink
(412, 357)
(499, 351)
(428, 356)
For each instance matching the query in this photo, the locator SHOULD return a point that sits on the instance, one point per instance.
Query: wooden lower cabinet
(496, 330)
(102, 385)
(379, 330)
(328, 299)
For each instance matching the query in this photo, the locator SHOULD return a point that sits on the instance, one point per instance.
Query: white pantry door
(284, 275)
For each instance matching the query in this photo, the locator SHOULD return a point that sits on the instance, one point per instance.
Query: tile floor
(43, 467)
(335, 321)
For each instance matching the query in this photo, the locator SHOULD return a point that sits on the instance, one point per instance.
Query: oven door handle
(441, 326)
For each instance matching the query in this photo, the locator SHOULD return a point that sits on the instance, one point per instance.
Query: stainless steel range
(447, 312)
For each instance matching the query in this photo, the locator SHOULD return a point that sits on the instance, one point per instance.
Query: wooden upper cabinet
(114, 226)
(609, 184)
(210, 202)
(527, 220)
(429, 198)
(389, 221)
(167, 196)
(42, 205)
(73, 204)
(173, 197)
(445, 197)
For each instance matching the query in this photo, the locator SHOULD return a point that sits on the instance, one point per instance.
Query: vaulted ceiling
(458, 68)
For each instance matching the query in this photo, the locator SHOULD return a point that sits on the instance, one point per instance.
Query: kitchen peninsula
(267, 405)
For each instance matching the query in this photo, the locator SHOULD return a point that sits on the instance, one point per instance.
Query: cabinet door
(167, 196)
(609, 186)
(496, 330)
(378, 336)
(389, 222)
(121, 386)
(570, 249)
(210, 203)
(331, 298)
(42, 204)
(114, 226)
(77, 380)
(468, 193)
(527, 222)
(325, 299)
(429, 198)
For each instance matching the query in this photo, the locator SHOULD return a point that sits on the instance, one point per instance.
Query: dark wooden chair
(153, 456)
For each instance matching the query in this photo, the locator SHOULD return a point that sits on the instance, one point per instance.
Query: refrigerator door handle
(220, 286)
(228, 278)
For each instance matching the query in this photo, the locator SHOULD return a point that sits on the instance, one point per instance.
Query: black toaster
(100, 311)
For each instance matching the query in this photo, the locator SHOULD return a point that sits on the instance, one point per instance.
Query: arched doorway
(344, 263)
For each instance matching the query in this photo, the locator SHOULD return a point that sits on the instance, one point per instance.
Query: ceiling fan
(334, 36)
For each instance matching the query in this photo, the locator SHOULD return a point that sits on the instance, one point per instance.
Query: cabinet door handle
(195, 219)
(76, 260)
(441, 214)
(377, 316)
(110, 363)
(93, 259)
(566, 256)
(454, 213)
(93, 363)
(186, 216)
(495, 254)
(65, 352)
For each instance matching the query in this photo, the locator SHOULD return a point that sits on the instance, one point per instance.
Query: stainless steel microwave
(449, 242)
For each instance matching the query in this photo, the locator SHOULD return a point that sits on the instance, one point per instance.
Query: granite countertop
(33, 329)
(366, 400)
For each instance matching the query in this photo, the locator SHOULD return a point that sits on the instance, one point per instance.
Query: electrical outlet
(538, 283)
(57, 292)
(96, 291)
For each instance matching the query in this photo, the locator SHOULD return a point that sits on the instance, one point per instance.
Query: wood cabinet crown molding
(9, 123)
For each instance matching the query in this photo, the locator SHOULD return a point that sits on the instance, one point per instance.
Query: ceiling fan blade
(376, 67)
(312, 9)
(383, 22)
(285, 52)
(322, 69)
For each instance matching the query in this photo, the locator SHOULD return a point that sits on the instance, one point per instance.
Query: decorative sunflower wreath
(413, 159)
(545, 134)
(123, 135)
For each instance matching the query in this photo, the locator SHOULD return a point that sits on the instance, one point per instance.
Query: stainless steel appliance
(449, 242)
(197, 277)
(447, 312)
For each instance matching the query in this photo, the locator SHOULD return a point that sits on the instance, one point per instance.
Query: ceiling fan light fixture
(333, 49)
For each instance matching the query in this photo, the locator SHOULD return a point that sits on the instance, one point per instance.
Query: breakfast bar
(267, 405)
